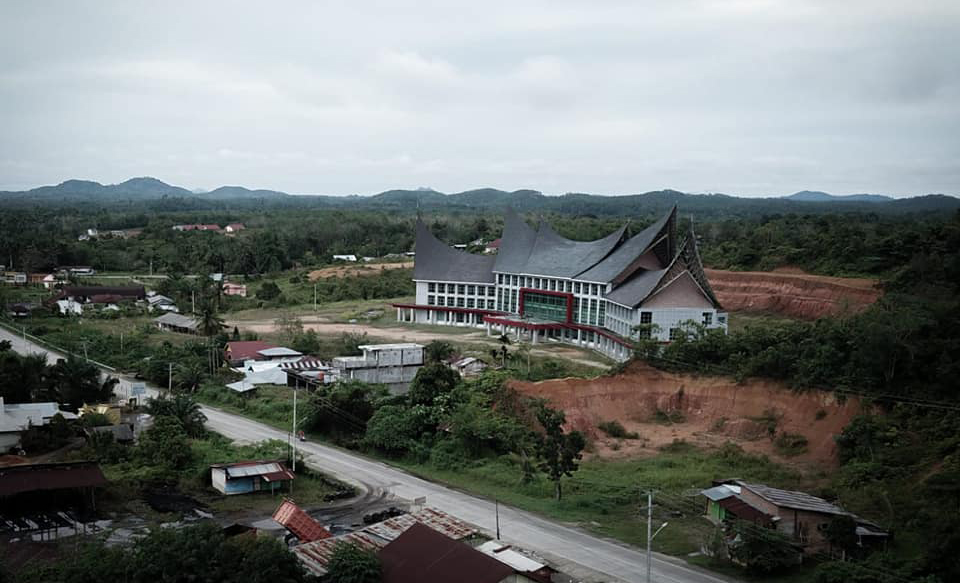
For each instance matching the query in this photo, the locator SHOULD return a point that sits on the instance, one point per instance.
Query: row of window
(460, 302)
(460, 289)
(549, 284)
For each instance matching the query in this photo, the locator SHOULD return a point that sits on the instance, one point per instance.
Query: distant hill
(816, 196)
(240, 192)
(134, 189)
(159, 195)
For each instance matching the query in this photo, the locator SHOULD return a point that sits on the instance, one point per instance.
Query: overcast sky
(747, 97)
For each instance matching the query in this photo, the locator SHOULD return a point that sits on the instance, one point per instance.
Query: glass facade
(545, 307)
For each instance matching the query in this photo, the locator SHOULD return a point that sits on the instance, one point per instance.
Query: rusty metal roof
(435, 519)
(299, 522)
(53, 476)
(315, 555)
(422, 554)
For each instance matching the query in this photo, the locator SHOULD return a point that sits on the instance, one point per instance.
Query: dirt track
(357, 269)
(792, 293)
(715, 410)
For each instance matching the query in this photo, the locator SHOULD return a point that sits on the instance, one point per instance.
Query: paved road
(568, 547)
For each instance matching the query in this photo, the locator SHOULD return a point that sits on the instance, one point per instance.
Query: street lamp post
(650, 534)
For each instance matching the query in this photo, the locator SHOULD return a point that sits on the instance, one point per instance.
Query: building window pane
(470, 302)
(460, 302)
(707, 318)
(431, 300)
(461, 288)
(646, 317)
(431, 287)
(441, 301)
(490, 305)
(471, 290)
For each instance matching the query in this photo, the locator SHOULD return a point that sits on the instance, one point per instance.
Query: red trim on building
(567, 295)
(559, 326)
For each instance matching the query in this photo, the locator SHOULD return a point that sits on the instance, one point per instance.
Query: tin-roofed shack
(250, 476)
(45, 499)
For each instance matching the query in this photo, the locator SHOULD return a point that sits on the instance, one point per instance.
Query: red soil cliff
(791, 293)
(714, 410)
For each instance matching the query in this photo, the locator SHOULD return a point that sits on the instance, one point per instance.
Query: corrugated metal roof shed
(422, 555)
(299, 522)
(270, 471)
(315, 555)
(54, 476)
(795, 500)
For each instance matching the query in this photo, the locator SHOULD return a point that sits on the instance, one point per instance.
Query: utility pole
(295, 437)
(193, 301)
(170, 377)
(650, 534)
(121, 342)
(497, 507)
(314, 297)
(649, 530)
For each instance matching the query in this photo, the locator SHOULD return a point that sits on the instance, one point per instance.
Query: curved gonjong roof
(515, 244)
(558, 256)
(434, 260)
(544, 252)
(620, 260)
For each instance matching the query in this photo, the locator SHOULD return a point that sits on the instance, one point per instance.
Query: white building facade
(599, 294)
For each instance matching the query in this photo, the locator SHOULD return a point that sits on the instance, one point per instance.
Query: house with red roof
(238, 352)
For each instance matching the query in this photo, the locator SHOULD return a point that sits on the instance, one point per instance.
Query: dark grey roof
(435, 261)
(558, 256)
(176, 320)
(618, 261)
(792, 499)
(516, 243)
(635, 290)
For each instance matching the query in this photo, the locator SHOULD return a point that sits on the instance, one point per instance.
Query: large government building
(541, 286)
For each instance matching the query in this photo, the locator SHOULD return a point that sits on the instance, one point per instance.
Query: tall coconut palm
(210, 322)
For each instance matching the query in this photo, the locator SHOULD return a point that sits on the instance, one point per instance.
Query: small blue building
(250, 476)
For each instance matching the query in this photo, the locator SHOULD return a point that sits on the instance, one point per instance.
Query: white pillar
(399, 318)
(488, 328)
(533, 336)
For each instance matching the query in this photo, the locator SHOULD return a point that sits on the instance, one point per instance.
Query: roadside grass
(129, 480)
(341, 311)
(737, 321)
(608, 497)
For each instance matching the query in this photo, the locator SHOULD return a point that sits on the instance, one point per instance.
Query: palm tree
(182, 407)
(189, 376)
(209, 320)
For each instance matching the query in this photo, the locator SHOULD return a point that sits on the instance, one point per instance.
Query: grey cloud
(746, 96)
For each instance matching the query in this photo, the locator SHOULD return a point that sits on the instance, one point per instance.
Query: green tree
(557, 452)
(437, 351)
(182, 407)
(209, 321)
(763, 551)
(431, 382)
(165, 444)
(393, 429)
(841, 532)
(75, 381)
(352, 564)
(268, 291)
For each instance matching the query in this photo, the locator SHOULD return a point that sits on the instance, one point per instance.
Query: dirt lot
(791, 292)
(357, 269)
(424, 334)
(707, 411)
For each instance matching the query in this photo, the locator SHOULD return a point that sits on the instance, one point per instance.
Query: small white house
(70, 307)
(345, 258)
